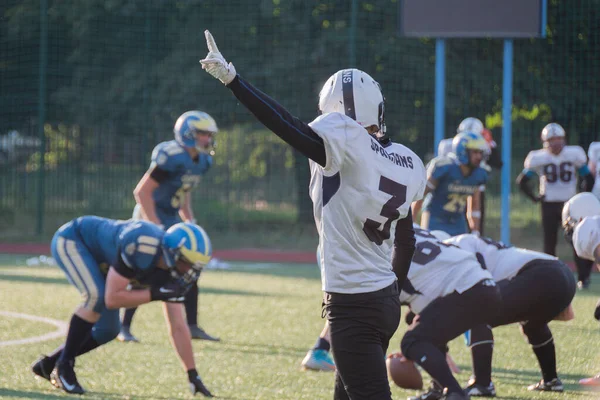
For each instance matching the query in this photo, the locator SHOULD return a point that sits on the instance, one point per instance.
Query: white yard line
(60, 331)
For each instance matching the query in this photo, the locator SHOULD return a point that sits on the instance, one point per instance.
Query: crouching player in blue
(453, 182)
(103, 258)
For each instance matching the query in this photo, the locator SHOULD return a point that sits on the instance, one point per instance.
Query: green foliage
(61, 143)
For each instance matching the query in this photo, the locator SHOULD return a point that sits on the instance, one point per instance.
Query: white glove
(215, 64)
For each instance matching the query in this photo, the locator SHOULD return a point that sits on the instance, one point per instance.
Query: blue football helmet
(465, 141)
(190, 243)
(191, 123)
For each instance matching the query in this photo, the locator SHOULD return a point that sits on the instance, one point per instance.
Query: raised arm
(268, 111)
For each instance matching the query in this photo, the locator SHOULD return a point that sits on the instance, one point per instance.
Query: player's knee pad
(537, 334)
(480, 334)
(104, 335)
(408, 340)
(106, 329)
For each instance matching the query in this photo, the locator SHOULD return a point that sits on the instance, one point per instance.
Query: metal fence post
(42, 114)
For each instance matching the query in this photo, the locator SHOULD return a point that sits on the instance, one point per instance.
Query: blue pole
(507, 82)
(352, 34)
(440, 92)
(544, 17)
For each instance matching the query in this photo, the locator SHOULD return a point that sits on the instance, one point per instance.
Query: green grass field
(268, 316)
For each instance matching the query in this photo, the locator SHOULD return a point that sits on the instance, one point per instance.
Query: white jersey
(586, 237)
(437, 270)
(357, 199)
(444, 147)
(594, 157)
(557, 172)
(503, 262)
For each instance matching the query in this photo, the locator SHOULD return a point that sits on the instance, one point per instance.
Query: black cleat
(555, 385)
(43, 367)
(199, 333)
(477, 390)
(63, 377)
(434, 393)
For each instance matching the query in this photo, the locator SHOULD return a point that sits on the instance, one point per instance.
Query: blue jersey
(131, 247)
(182, 173)
(448, 201)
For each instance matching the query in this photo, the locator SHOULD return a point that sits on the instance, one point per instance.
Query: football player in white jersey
(558, 167)
(450, 293)
(594, 166)
(581, 221)
(536, 288)
(361, 186)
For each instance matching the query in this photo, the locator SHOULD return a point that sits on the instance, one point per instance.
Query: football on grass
(403, 372)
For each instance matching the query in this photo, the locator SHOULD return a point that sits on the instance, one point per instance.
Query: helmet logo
(348, 93)
(130, 249)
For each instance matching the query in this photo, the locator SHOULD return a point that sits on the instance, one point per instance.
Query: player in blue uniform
(163, 195)
(453, 182)
(124, 264)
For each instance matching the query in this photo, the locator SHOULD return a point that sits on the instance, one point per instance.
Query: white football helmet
(440, 235)
(470, 124)
(552, 130)
(355, 94)
(578, 207)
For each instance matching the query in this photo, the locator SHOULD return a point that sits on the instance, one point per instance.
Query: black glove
(597, 311)
(409, 317)
(171, 291)
(196, 384)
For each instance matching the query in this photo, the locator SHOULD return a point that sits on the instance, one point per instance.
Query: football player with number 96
(361, 186)
(558, 167)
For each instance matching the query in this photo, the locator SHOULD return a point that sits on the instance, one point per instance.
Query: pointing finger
(210, 42)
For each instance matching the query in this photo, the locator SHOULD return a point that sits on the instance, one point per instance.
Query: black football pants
(551, 222)
(361, 328)
(444, 319)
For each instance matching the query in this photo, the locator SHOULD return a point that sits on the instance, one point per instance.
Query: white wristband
(474, 214)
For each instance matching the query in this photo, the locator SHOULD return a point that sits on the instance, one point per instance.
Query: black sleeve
(585, 183)
(481, 260)
(404, 248)
(123, 269)
(495, 159)
(272, 115)
(159, 175)
(523, 182)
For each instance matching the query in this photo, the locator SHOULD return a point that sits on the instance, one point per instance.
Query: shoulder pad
(140, 244)
(534, 159)
(593, 149)
(166, 155)
(441, 161)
